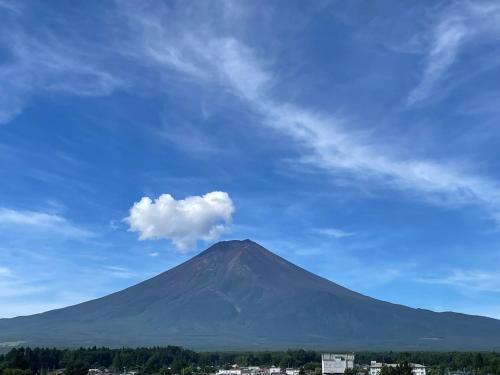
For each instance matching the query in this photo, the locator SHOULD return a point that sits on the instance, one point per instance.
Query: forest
(172, 360)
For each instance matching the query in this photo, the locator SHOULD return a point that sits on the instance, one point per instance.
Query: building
(233, 371)
(251, 370)
(332, 364)
(256, 370)
(274, 370)
(418, 369)
(376, 367)
(292, 371)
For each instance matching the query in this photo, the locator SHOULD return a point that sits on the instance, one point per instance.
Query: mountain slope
(237, 294)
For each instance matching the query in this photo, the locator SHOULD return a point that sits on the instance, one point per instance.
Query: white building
(233, 371)
(251, 370)
(418, 369)
(332, 364)
(292, 371)
(376, 367)
(274, 370)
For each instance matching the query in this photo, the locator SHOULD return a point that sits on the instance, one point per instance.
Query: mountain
(238, 295)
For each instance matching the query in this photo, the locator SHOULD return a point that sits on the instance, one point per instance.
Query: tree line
(176, 360)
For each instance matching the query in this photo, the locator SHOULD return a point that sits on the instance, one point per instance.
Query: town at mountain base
(238, 295)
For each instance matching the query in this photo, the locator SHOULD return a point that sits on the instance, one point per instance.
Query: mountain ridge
(237, 294)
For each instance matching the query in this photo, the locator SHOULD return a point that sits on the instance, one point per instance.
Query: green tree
(76, 367)
(15, 371)
(404, 369)
(478, 361)
(177, 366)
(16, 359)
(312, 366)
(154, 363)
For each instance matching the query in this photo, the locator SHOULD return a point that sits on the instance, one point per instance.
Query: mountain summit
(237, 294)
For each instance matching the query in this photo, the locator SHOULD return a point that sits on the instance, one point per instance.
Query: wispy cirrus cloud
(12, 286)
(457, 25)
(11, 6)
(218, 58)
(472, 280)
(324, 139)
(4, 271)
(333, 232)
(121, 272)
(42, 222)
(45, 62)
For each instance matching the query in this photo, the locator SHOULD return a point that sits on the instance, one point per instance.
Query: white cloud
(334, 232)
(11, 6)
(113, 225)
(16, 288)
(154, 254)
(183, 221)
(473, 280)
(208, 59)
(43, 222)
(457, 25)
(5, 272)
(324, 139)
(12, 286)
(45, 62)
(327, 146)
(120, 272)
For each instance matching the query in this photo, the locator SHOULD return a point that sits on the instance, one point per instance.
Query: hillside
(237, 294)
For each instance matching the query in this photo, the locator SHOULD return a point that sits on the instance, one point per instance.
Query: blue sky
(359, 140)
